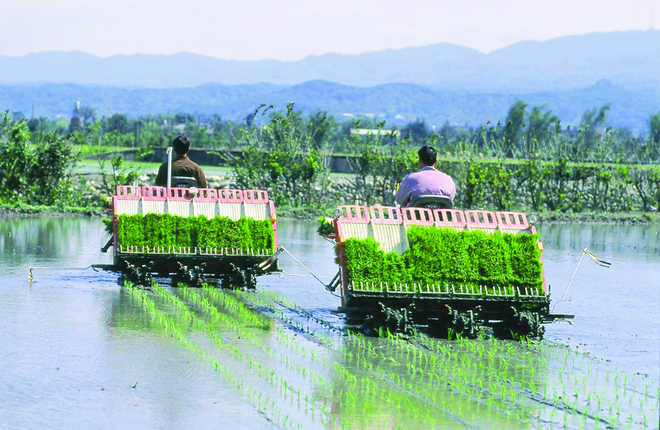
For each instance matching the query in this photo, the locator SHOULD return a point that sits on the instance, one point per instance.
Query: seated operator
(181, 165)
(427, 180)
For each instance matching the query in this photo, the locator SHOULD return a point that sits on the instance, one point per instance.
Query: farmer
(427, 180)
(182, 165)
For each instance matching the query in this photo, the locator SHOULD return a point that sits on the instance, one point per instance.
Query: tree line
(527, 132)
(528, 160)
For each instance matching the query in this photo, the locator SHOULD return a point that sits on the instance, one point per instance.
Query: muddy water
(79, 350)
(617, 310)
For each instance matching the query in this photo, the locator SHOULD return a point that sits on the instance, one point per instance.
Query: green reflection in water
(301, 374)
(622, 240)
(51, 238)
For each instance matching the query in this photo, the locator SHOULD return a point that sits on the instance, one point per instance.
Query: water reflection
(75, 332)
(639, 242)
(63, 240)
(616, 309)
(426, 383)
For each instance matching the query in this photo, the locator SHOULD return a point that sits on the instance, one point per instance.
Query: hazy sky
(292, 29)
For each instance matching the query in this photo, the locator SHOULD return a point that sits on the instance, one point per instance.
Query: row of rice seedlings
(291, 362)
(562, 403)
(570, 358)
(369, 380)
(282, 357)
(525, 381)
(298, 318)
(489, 352)
(178, 333)
(301, 349)
(180, 309)
(207, 305)
(386, 385)
(621, 381)
(294, 317)
(481, 352)
(284, 301)
(579, 396)
(217, 319)
(213, 335)
(384, 397)
(465, 375)
(521, 364)
(263, 402)
(627, 400)
(367, 344)
(432, 377)
(577, 383)
(231, 305)
(160, 318)
(372, 399)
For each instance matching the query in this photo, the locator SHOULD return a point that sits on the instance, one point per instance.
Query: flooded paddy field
(81, 348)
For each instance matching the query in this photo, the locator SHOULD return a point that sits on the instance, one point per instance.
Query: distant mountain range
(395, 103)
(438, 83)
(630, 59)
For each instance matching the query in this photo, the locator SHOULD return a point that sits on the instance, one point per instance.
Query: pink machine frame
(210, 195)
(468, 220)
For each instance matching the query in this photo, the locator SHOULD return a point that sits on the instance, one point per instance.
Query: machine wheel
(139, 274)
(191, 276)
(461, 323)
(239, 278)
(396, 320)
(520, 324)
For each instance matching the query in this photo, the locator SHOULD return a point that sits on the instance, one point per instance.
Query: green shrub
(325, 226)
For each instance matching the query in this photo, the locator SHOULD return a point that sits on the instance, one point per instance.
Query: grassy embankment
(91, 173)
(224, 174)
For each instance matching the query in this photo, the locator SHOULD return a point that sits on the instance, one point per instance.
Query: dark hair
(427, 155)
(181, 144)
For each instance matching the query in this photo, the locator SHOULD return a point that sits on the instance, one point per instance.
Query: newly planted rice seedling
(235, 354)
(305, 373)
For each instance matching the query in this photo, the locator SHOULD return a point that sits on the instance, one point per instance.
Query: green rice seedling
(282, 383)
(463, 376)
(438, 256)
(235, 307)
(282, 359)
(499, 376)
(165, 230)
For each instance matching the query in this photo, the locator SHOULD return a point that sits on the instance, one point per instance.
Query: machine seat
(431, 201)
(184, 182)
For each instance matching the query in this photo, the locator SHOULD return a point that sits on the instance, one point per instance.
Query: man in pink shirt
(427, 180)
